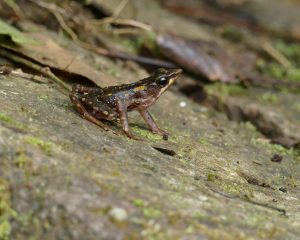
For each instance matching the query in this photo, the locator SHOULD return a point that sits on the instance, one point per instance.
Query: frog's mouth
(174, 74)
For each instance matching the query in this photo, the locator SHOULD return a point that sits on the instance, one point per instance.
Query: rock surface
(66, 176)
(61, 177)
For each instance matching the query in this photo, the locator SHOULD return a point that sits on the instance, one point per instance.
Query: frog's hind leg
(84, 113)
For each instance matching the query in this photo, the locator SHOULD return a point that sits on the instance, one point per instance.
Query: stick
(44, 70)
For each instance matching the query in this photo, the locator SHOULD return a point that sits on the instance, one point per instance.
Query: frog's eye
(162, 81)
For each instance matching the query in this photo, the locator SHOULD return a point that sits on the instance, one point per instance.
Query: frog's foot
(131, 136)
(85, 114)
(161, 132)
(151, 123)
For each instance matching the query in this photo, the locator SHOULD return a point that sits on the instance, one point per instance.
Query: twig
(44, 70)
(276, 55)
(127, 22)
(64, 26)
(120, 8)
(15, 8)
(57, 12)
(126, 56)
(49, 6)
(32, 77)
(126, 31)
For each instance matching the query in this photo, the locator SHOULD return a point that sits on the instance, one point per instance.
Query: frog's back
(127, 87)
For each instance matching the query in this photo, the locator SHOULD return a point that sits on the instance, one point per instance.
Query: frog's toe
(114, 132)
(160, 132)
(131, 136)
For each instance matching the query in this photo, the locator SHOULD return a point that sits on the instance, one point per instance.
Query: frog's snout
(176, 71)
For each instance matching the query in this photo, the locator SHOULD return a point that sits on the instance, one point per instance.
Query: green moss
(234, 188)
(211, 176)
(134, 44)
(293, 74)
(297, 107)
(270, 67)
(276, 148)
(277, 71)
(5, 230)
(289, 50)
(270, 97)
(138, 202)
(272, 147)
(131, 45)
(226, 90)
(6, 212)
(21, 159)
(204, 142)
(151, 212)
(149, 41)
(137, 221)
(231, 33)
(296, 152)
(43, 97)
(146, 133)
(46, 147)
(250, 127)
(11, 122)
(256, 220)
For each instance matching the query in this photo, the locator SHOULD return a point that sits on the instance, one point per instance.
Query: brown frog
(113, 103)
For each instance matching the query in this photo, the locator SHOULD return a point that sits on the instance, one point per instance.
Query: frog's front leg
(122, 111)
(150, 121)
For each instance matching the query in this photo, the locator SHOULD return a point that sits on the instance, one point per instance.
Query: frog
(113, 103)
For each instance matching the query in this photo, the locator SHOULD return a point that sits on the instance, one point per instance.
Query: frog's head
(164, 78)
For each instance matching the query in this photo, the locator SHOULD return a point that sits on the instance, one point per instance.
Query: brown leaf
(54, 56)
(206, 58)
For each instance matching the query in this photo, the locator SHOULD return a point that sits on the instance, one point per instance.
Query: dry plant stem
(64, 26)
(57, 12)
(127, 22)
(101, 51)
(48, 73)
(49, 6)
(126, 56)
(44, 70)
(126, 31)
(120, 8)
(35, 78)
(15, 7)
(276, 55)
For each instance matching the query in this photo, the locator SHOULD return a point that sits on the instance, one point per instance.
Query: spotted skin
(113, 103)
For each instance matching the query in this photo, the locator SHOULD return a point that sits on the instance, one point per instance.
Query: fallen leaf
(52, 55)
(206, 58)
(15, 35)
